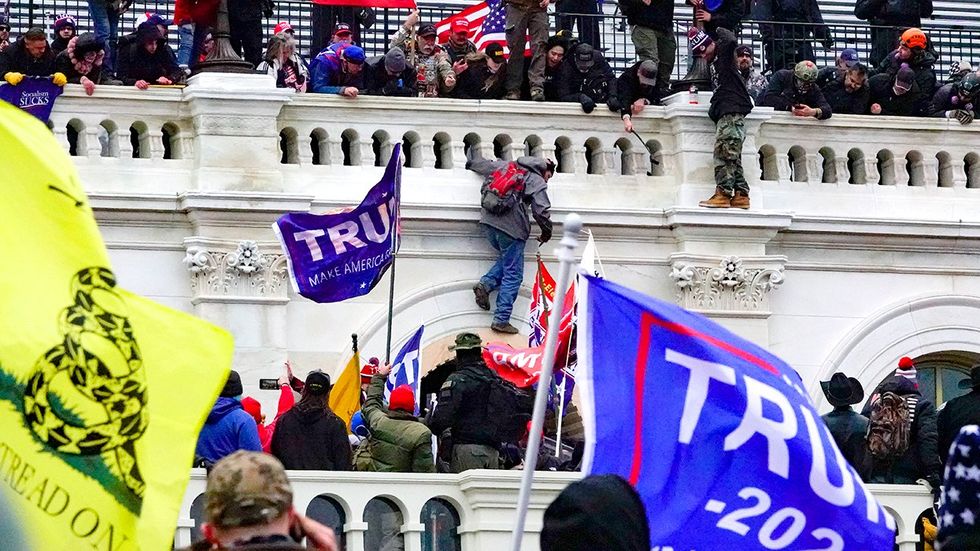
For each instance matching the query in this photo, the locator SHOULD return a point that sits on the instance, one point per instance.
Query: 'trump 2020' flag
(35, 95)
(334, 257)
(407, 368)
(716, 434)
(102, 392)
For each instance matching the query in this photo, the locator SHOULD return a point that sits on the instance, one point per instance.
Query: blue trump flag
(717, 435)
(407, 367)
(334, 257)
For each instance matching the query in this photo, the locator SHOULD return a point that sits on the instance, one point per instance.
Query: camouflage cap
(467, 341)
(246, 489)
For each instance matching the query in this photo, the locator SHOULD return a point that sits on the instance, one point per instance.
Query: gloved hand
(59, 79)
(964, 116)
(13, 78)
(588, 104)
(545, 234)
(613, 104)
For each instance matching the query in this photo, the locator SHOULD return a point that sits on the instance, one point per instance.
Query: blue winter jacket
(327, 75)
(227, 429)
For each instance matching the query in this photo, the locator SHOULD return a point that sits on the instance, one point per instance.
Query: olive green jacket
(398, 442)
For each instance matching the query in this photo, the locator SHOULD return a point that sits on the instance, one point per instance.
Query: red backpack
(503, 189)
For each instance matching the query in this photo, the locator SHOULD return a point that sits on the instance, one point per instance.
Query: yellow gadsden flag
(345, 396)
(102, 392)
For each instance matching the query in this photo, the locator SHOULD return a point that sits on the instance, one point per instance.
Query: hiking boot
(720, 200)
(513, 95)
(740, 200)
(482, 296)
(537, 95)
(504, 328)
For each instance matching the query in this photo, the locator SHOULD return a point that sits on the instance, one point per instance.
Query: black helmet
(969, 85)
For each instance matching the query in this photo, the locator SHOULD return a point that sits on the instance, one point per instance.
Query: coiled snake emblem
(115, 419)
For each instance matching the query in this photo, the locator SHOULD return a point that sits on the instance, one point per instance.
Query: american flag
(959, 503)
(486, 25)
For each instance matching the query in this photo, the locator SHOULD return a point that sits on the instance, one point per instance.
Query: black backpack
(508, 410)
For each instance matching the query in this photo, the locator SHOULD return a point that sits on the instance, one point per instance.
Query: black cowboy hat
(842, 390)
(973, 381)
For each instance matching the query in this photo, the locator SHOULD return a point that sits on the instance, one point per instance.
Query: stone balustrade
(475, 508)
(236, 133)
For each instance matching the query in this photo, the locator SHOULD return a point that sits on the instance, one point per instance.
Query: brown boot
(740, 200)
(720, 200)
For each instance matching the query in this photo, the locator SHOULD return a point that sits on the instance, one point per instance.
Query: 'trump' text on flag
(713, 430)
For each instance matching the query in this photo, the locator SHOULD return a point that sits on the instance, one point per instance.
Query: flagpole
(566, 257)
(395, 228)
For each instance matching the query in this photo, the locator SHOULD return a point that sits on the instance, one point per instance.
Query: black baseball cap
(495, 52)
(427, 29)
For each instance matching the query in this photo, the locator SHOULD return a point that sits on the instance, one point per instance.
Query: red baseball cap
(283, 27)
(460, 25)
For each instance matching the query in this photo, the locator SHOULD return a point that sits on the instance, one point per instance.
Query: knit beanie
(233, 387)
(253, 408)
(402, 399)
(906, 368)
(698, 41)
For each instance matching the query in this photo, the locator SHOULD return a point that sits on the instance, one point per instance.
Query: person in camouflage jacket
(424, 54)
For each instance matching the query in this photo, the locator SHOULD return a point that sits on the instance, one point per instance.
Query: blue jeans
(506, 274)
(106, 23)
(191, 43)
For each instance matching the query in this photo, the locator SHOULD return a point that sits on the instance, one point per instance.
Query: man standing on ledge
(508, 188)
(730, 103)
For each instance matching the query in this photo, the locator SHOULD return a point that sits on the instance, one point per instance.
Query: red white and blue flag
(714, 430)
(542, 298)
(487, 25)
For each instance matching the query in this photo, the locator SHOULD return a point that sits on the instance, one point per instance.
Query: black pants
(324, 18)
(784, 51)
(247, 36)
(588, 27)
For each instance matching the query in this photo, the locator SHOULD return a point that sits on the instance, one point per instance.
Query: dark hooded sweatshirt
(882, 92)
(312, 439)
(597, 513)
(782, 95)
(65, 62)
(730, 96)
(227, 429)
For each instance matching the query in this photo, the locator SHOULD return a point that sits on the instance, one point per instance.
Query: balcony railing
(468, 511)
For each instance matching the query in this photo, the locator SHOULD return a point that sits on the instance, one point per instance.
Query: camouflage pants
(729, 136)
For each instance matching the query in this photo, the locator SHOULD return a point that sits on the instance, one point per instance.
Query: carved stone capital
(726, 284)
(243, 274)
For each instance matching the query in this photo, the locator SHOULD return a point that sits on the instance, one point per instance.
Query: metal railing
(785, 42)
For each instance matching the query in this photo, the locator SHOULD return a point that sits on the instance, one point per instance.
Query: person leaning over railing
(635, 89)
(429, 59)
(848, 94)
(915, 51)
(894, 95)
(586, 78)
(555, 51)
(483, 74)
(338, 73)
(796, 91)
(958, 101)
(81, 61)
(283, 63)
(847, 58)
(148, 60)
(389, 75)
(30, 56)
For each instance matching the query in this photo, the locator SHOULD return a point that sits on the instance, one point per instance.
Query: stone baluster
(930, 171)
(814, 168)
(456, 150)
(576, 157)
(304, 147)
(122, 139)
(782, 165)
(89, 139)
(334, 151)
(871, 173)
(958, 168)
(610, 164)
(412, 532)
(60, 131)
(902, 175)
(428, 154)
(485, 149)
(155, 143)
(547, 151)
(356, 531)
(843, 173)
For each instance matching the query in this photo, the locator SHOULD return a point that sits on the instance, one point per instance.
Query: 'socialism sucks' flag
(718, 436)
(102, 392)
(35, 95)
(337, 256)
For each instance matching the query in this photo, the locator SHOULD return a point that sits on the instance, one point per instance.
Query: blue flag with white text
(337, 256)
(717, 435)
(407, 368)
(35, 95)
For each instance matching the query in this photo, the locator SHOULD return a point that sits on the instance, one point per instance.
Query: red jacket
(200, 12)
(251, 405)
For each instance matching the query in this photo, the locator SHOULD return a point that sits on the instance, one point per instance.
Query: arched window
(329, 512)
(441, 522)
(384, 520)
(939, 374)
(197, 515)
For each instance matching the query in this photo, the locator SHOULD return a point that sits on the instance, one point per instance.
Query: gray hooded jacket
(515, 222)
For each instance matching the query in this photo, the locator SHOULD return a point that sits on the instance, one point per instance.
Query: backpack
(508, 410)
(889, 432)
(503, 189)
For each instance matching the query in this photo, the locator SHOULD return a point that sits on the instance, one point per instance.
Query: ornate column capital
(729, 285)
(242, 272)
